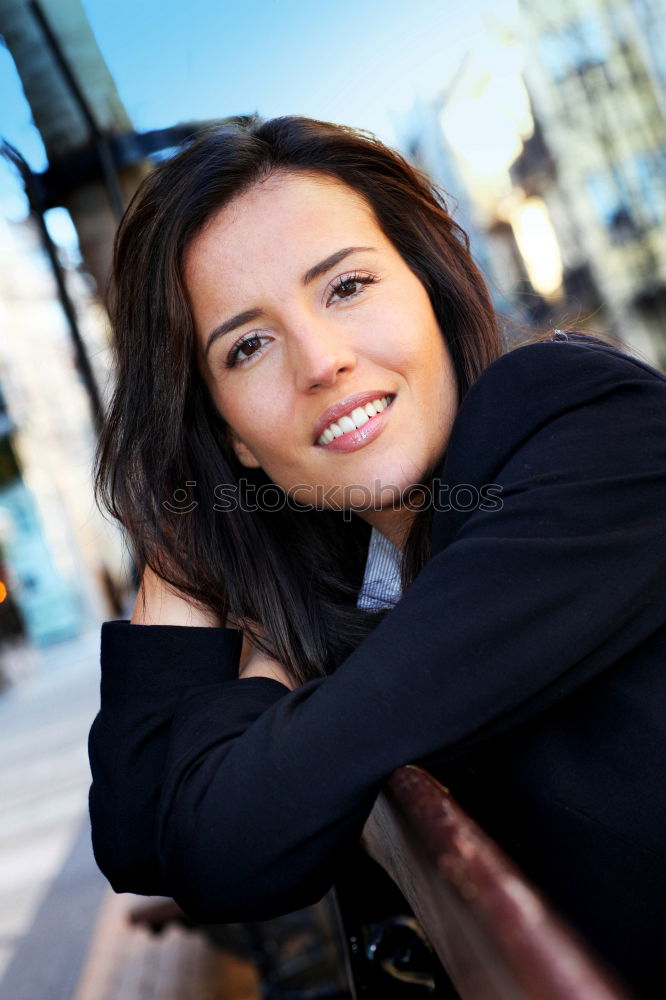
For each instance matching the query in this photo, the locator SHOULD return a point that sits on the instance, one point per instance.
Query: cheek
(391, 338)
(409, 329)
(262, 422)
(238, 418)
(411, 346)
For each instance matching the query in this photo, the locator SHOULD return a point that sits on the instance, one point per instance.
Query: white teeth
(358, 416)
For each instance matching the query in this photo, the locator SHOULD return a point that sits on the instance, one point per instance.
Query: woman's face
(302, 304)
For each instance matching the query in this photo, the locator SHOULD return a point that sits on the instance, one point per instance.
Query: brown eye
(347, 287)
(253, 342)
(247, 343)
(352, 285)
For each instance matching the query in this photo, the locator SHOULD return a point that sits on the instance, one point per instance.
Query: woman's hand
(159, 604)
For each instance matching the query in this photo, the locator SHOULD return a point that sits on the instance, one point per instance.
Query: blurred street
(63, 932)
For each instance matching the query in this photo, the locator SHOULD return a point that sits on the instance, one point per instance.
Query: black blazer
(525, 665)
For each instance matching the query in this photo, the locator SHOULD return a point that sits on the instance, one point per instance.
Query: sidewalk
(44, 717)
(63, 932)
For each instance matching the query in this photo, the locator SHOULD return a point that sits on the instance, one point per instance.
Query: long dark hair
(294, 572)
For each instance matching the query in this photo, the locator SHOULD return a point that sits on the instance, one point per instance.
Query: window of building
(580, 44)
(611, 201)
(648, 174)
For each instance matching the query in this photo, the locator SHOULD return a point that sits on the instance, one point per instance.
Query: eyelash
(361, 279)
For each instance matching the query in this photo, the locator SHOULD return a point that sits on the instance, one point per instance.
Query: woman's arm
(264, 789)
(169, 647)
(524, 606)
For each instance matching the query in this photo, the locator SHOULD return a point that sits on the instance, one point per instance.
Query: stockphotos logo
(350, 498)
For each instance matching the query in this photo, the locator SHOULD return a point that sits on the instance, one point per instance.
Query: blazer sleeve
(526, 601)
(145, 670)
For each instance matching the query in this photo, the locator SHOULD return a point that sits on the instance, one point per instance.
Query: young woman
(310, 375)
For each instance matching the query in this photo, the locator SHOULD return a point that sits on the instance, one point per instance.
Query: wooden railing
(495, 936)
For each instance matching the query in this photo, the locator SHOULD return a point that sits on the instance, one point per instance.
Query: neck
(393, 524)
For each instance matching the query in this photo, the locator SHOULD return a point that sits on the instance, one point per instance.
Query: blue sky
(354, 62)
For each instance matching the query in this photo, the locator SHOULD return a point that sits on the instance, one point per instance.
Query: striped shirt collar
(381, 586)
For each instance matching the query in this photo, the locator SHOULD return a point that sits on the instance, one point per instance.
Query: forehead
(287, 215)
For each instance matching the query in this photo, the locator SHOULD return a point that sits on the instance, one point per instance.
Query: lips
(346, 405)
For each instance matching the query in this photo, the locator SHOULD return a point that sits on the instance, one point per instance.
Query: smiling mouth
(355, 419)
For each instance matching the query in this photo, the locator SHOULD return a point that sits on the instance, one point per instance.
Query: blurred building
(60, 554)
(596, 73)
(423, 141)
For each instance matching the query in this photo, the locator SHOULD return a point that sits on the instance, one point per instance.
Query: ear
(243, 453)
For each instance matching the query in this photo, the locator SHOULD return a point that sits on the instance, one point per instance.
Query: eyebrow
(248, 315)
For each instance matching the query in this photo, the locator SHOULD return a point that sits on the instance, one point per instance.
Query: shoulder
(564, 370)
(563, 424)
(530, 386)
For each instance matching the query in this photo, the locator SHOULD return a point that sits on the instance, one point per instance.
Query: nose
(321, 352)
